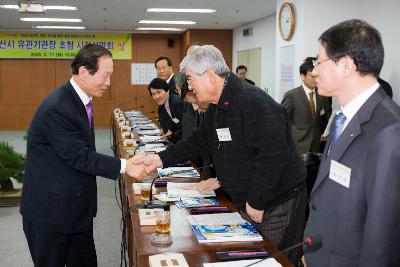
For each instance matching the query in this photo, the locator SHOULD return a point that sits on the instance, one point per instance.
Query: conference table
(184, 241)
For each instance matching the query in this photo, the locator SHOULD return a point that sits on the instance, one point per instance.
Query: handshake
(140, 166)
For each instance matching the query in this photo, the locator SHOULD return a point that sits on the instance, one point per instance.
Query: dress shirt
(354, 105)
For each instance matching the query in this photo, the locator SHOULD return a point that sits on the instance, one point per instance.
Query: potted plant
(12, 165)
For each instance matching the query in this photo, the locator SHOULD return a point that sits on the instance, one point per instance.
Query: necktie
(89, 112)
(338, 127)
(312, 104)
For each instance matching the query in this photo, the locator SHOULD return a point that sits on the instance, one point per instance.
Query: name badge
(340, 173)
(224, 134)
(322, 112)
(176, 120)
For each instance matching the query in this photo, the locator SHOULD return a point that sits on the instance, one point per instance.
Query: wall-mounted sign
(61, 45)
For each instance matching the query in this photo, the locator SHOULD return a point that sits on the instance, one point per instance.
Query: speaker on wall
(170, 42)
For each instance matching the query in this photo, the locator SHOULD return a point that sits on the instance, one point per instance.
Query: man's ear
(211, 76)
(348, 65)
(302, 77)
(83, 73)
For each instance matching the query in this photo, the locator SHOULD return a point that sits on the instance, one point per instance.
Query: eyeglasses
(316, 63)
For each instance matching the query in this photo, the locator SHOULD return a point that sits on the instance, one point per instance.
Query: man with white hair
(248, 137)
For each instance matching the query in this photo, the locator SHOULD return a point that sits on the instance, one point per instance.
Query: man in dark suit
(248, 137)
(164, 70)
(59, 198)
(307, 110)
(241, 72)
(170, 108)
(354, 204)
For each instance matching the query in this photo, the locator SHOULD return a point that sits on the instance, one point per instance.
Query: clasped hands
(141, 165)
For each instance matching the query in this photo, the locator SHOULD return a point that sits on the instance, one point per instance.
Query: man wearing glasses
(354, 204)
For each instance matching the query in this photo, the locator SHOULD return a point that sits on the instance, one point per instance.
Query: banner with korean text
(59, 45)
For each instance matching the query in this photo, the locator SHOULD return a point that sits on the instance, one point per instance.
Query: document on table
(216, 219)
(175, 190)
(266, 263)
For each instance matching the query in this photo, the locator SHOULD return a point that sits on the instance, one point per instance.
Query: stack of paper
(149, 132)
(195, 202)
(152, 138)
(177, 172)
(223, 227)
(183, 190)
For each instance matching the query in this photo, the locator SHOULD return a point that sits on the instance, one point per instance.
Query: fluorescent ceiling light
(50, 20)
(9, 6)
(167, 22)
(60, 27)
(45, 7)
(181, 10)
(160, 29)
(60, 8)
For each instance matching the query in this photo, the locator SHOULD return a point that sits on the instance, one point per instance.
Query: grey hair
(203, 58)
(180, 78)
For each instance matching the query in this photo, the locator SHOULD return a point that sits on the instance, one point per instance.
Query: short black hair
(240, 67)
(158, 83)
(358, 40)
(88, 57)
(169, 61)
(307, 65)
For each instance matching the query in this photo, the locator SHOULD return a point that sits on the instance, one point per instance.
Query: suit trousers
(283, 225)
(54, 249)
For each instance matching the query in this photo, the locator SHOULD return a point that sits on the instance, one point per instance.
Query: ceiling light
(182, 10)
(167, 22)
(60, 8)
(50, 20)
(160, 29)
(9, 6)
(60, 27)
(45, 7)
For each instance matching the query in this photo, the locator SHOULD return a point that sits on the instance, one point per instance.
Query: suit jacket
(171, 86)
(59, 189)
(306, 130)
(250, 81)
(188, 120)
(174, 123)
(260, 165)
(359, 225)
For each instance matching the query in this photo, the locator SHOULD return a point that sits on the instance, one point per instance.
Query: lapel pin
(226, 103)
(352, 135)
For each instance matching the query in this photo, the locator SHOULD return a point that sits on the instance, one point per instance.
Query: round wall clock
(287, 20)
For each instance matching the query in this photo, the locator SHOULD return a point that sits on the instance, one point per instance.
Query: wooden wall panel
(222, 39)
(63, 71)
(25, 113)
(9, 117)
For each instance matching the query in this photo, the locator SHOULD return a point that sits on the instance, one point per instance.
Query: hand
(137, 171)
(303, 260)
(323, 138)
(255, 215)
(207, 185)
(169, 133)
(152, 161)
(161, 133)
